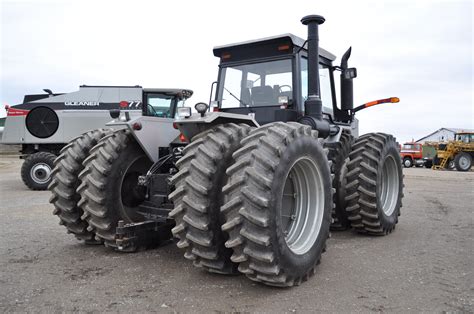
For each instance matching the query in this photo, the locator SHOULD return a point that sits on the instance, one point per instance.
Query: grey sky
(420, 51)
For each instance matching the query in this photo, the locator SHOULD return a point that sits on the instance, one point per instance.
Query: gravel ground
(425, 265)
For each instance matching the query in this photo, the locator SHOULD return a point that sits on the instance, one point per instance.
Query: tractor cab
(162, 103)
(465, 137)
(268, 79)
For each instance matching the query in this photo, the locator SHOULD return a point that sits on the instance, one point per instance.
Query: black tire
(428, 163)
(198, 197)
(374, 159)
(463, 161)
(109, 190)
(36, 170)
(65, 181)
(339, 155)
(254, 203)
(407, 162)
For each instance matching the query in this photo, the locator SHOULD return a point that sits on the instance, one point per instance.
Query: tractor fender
(150, 133)
(196, 124)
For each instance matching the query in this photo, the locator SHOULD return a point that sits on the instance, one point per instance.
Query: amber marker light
(283, 47)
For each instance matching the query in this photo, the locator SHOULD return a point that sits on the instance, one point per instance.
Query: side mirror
(350, 73)
(114, 113)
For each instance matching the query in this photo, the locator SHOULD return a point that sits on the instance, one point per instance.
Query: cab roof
(185, 93)
(284, 38)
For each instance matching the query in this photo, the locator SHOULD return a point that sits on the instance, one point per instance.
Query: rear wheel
(109, 189)
(65, 181)
(463, 161)
(36, 170)
(407, 162)
(198, 197)
(278, 204)
(374, 184)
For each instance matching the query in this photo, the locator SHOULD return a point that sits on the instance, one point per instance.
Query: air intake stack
(313, 104)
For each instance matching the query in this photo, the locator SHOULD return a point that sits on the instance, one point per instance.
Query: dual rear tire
(94, 184)
(258, 201)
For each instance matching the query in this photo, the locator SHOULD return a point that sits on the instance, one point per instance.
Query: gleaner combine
(44, 123)
(263, 175)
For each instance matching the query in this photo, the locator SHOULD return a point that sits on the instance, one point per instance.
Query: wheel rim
(131, 194)
(40, 173)
(389, 186)
(302, 205)
(407, 163)
(464, 162)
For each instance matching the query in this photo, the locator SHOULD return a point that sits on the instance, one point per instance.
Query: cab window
(256, 84)
(159, 105)
(324, 82)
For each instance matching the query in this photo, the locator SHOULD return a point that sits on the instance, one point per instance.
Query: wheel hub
(463, 162)
(302, 206)
(40, 173)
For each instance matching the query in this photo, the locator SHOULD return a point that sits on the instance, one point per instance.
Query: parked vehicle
(44, 123)
(411, 154)
(456, 154)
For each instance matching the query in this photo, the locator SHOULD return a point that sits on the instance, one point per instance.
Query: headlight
(184, 112)
(201, 108)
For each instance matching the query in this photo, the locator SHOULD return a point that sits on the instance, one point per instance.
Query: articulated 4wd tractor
(256, 183)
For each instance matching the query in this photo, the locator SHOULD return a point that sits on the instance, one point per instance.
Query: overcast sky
(420, 51)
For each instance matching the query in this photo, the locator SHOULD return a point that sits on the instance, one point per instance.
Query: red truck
(412, 154)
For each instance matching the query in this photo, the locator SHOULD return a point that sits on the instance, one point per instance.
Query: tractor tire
(65, 181)
(198, 197)
(407, 162)
(451, 164)
(278, 203)
(463, 161)
(374, 184)
(339, 155)
(109, 189)
(36, 170)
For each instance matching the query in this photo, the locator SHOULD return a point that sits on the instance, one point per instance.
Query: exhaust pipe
(313, 106)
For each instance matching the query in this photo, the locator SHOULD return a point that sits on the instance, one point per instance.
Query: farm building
(442, 135)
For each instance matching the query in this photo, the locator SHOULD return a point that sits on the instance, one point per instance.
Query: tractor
(455, 154)
(254, 180)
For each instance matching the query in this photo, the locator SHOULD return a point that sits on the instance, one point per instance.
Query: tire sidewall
(298, 265)
(389, 150)
(130, 154)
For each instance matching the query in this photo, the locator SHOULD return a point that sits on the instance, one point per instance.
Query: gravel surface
(425, 265)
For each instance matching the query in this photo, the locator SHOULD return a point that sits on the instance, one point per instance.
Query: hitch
(375, 102)
(146, 234)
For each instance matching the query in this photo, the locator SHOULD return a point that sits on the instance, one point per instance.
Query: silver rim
(40, 173)
(407, 163)
(464, 162)
(389, 187)
(302, 205)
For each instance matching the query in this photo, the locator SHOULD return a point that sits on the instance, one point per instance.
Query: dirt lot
(426, 265)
